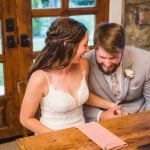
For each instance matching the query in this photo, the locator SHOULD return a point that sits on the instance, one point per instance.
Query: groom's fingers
(116, 110)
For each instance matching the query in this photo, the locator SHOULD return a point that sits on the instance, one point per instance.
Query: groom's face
(108, 62)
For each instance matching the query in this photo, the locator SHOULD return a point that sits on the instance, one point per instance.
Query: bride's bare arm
(97, 101)
(33, 95)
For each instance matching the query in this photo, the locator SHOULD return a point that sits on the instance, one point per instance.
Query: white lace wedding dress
(61, 110)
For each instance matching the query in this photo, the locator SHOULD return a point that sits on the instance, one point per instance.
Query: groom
(118, 73)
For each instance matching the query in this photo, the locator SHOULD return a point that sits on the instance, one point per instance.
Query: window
(44, 12)
(1, 79)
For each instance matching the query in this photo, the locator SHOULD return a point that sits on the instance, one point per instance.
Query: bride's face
(82, 48)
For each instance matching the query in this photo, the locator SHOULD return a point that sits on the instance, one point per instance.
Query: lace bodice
(62, 110)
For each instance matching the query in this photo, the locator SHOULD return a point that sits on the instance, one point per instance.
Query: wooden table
(133, 129)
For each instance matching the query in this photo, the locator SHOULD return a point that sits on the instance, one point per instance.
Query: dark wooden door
(9, 73)
(15, 59)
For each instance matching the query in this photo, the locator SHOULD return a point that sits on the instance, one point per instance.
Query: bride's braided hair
(61, 43)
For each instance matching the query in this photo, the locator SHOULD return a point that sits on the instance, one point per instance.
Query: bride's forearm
(97, 101)
(35, 126)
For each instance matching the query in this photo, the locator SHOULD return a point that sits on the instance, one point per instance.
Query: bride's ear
(65, 42)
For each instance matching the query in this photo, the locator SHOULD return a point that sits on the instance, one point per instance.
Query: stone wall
(136, 18)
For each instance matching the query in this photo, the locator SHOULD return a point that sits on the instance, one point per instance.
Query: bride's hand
(120, 111)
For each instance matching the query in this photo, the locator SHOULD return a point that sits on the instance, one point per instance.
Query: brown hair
(110, 36)
(63, 38)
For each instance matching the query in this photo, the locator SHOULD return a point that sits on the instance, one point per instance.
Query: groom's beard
(109, 71)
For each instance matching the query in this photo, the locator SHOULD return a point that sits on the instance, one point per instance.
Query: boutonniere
(128, 72)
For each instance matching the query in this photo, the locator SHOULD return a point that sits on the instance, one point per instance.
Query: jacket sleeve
(91, 113)
(146, 88)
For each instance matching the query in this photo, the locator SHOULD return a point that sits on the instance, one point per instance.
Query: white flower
(129, 72)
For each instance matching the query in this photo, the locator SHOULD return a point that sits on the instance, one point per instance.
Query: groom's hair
(110, 36)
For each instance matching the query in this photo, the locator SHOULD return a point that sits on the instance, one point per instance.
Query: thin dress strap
(83, 71)
(45, 75)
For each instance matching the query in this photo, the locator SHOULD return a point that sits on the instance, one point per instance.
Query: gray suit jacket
(135, 96)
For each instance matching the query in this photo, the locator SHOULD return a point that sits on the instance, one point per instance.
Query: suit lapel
(127, 60)
(125, 88)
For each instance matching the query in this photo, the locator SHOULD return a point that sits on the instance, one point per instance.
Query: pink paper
(101, 136)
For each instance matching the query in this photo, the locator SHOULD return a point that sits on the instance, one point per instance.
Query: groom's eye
(102, 57)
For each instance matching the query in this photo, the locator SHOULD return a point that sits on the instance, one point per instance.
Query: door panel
(9, 106)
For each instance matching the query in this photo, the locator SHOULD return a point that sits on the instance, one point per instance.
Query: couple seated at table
(62, 75)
